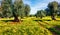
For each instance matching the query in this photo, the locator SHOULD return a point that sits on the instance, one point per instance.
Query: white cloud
(38, 6)
(27, 2)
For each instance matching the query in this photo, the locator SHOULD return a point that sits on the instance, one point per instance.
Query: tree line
(19, 9)
(52, 10)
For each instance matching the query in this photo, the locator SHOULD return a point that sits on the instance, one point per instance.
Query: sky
(36, 5)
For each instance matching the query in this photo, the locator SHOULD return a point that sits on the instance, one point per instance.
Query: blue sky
(38, 4)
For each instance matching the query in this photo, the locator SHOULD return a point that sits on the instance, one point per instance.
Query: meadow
(30, 26)
(29, 17)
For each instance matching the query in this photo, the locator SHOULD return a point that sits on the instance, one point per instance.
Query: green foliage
(58, 10)
(27, 10)
(0, 14)
(6, 8)
(53, 6)
(19, 7)
(41, 13)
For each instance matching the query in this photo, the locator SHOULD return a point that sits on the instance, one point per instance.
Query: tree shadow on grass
(11, 20)
(37, 20)
(7, 20)
(45, 20)
(42, 20)
(55, 30)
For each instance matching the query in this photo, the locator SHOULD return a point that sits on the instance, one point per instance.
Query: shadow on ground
(55, 30)
(42, 20)
(7, 20)
(45, 20)
(11, 21)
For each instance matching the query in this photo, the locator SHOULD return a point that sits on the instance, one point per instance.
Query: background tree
(19, 7)
(58, 9)
(14, 14)
(40, 14)
(6, 8)
(27, 10)
(53, 6)
(47, 12)
(0, 11)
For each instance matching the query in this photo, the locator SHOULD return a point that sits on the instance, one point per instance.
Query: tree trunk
(41, 17)
(15, 17)
(53, 17)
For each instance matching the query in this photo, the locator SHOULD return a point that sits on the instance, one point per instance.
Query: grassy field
(30, 26)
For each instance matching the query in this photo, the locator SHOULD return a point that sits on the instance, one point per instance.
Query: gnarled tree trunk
(15, 17)
(53, 16)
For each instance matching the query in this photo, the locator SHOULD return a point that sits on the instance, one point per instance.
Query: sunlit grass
(28, 27)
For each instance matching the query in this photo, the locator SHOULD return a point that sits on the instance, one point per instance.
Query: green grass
(29, 26)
